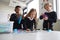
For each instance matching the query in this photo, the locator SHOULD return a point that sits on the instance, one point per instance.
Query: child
(30, 20)
(17, 18)
(49, 17)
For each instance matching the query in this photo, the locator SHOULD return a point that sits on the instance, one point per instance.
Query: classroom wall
(5, 11)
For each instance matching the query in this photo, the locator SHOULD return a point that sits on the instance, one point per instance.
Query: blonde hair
(47, 4)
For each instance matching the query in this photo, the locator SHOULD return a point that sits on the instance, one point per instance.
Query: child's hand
(28, 30)
(46, 18)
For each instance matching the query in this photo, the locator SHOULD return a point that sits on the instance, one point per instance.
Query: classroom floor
(38, 35)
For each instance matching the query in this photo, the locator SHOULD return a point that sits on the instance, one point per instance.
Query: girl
(30, 20)
(17, 18)
(49, 17)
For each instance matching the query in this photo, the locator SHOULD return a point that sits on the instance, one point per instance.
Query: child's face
(33, 14)
(17, 10)
(48, 7)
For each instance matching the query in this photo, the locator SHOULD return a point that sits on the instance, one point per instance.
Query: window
(34, 4)
(58, 8)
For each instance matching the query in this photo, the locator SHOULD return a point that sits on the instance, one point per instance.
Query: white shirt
(30, 18)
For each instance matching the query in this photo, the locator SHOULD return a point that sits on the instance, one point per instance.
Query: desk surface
(39, 35)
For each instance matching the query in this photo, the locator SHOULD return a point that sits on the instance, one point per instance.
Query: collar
(30, 18)
(50, 11)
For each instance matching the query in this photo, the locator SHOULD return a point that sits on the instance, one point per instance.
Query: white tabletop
(40, 35)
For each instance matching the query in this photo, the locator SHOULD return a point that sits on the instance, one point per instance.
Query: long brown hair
(28, 15)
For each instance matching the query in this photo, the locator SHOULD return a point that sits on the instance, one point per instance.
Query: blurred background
(7, 8)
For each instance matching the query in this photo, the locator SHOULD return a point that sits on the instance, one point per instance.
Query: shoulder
(53, 12)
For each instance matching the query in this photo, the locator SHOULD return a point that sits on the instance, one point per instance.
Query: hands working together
(45, 17)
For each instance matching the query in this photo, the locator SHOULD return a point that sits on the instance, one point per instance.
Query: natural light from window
(34, 4)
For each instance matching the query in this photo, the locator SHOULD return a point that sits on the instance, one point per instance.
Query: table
(39, 35)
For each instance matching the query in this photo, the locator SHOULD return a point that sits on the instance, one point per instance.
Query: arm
(13, 18)
(25, 23)
(41, 17)
(54, 19)
(35, 24)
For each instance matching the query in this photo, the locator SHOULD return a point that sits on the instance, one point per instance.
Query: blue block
(15, 30)
(49, 30)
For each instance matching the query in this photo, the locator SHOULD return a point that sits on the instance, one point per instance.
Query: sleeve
(25, 23)
(35, 24)
(41, 17)
(54, 19)
(22, 21)
(13, 18)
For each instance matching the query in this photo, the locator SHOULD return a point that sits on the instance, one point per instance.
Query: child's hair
(47, 4)
(28, 15)
(17, 7)
(44, 0)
